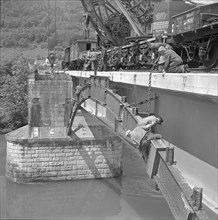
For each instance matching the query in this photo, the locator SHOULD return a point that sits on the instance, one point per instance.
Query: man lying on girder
(142, 135)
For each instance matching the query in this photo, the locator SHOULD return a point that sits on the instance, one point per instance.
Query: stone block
(58, 178)
(67, 173)
(36, 175)
(80, 162)
(60, 154)
(45, 164)
(43, 159)
(55, 159)
(70, 162)
(50, 169)
(66, 168)
(30, 160)
(50, 174)
(44, 155)
(57, 168)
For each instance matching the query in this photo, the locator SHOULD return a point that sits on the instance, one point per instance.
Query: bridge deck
(197, 83)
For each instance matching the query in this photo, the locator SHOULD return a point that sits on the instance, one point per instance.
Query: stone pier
(41, 150)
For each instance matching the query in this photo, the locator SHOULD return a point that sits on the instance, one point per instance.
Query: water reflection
(126, 197)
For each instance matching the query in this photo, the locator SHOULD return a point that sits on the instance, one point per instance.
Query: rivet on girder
(135, 111)
(105, 98)
(106, 83)
(115, 124)
(120, 114)
(123, 98)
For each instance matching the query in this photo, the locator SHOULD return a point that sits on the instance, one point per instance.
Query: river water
(128, 197)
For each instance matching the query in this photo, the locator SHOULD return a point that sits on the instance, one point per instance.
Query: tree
(14, 97)
(23, 43)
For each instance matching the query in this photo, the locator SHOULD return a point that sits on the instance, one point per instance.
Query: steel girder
(172, 184)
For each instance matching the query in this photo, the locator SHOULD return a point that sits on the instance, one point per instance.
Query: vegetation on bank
(30, 28)
(14, 94)
(27, 24)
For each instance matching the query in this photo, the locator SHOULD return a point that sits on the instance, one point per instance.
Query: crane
(114, 20)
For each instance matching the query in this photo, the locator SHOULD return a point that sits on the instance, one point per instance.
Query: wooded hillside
(28, 30)
(27, 22)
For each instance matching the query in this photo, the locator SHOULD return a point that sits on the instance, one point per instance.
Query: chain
(149, 92)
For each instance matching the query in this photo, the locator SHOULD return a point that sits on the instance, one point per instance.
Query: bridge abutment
(41, 151)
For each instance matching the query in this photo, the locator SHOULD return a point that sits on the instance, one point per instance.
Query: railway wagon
(163, 12)
(74, 55)
(195, 35)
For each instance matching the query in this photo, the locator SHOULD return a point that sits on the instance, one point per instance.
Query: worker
(52, 58)
(158, 59)
(77, 91)
(142, 136)
(173, 62)
(103, 60)
(92, 60)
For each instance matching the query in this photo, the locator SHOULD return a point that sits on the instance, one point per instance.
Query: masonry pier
(41, 150)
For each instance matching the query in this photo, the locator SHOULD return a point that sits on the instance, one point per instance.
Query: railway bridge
(116, 113)
(48, 145)
(187, 103)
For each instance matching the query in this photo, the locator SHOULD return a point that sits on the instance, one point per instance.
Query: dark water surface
(128, 197)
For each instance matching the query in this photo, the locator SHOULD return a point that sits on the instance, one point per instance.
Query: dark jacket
(172, 61)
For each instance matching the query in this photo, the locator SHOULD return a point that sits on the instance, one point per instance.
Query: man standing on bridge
(142, 135)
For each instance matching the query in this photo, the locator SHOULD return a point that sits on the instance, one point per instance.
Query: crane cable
(48, 25)
(55, 20)
(55, 24)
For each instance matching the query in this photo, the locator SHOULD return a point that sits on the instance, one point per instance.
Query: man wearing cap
(142, 135)
(173, 62)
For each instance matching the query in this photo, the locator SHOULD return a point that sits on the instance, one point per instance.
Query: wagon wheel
(212, 56)
(108, 22)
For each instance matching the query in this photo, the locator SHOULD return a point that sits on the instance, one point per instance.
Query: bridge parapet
(196, 83)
